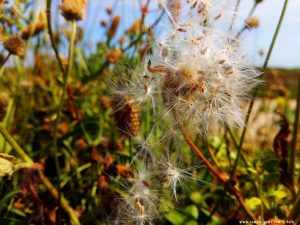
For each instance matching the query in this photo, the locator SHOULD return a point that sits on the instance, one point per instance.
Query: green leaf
(271, 178)
(192, 211)
(9, 221)
(251, 170)
(253, 202)
(270, 165)
(196, 197)
(191, 222)
(176, 218)
(278, 194)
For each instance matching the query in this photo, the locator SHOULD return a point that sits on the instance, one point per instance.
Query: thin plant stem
(50, 32)
(60, 107)
(217, 174)
(294, 214)
(265, 65)
(234, 15)
(50, 187)
(249, 15)
(292, 154)
(3, 63)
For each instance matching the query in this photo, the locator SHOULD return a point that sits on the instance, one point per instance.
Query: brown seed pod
(15, 45)
(114, 26)
(73, 9)
(126, 115)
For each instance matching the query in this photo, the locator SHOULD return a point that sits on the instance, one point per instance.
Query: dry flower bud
(80, 144)
(33, 30)
(103, 23)
(15, 45)
(114, 55)
(108, 10)
(252, 22)
(134, 29)
(73, 9)
(105, 102)
(102, 181)
(114, 26)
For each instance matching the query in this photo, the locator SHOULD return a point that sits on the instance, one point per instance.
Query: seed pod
(114, 26)
(126, 115)
(252, 22)
(15, 45)
(73, 9)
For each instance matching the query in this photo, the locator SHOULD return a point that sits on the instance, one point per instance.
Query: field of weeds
(111, 116)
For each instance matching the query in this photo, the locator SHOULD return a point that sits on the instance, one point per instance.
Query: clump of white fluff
(204, 75)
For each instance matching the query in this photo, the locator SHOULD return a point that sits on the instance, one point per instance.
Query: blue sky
(287, 49)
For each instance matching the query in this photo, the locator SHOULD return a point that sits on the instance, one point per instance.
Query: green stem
(257, 88)
(234, 15)
(292, 154)
(60, 107)
(294, 214)
(50, 32)
(14, 144)
(50, 187)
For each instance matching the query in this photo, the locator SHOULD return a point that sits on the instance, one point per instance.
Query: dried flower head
(15, 45)
(204, 75)
(73, 9)
(6, 164)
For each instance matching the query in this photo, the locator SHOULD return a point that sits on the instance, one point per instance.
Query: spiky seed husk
(15, 45)
(73, 9)
(126, 115)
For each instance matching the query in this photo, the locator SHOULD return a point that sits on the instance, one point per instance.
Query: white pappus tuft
(203, 72)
